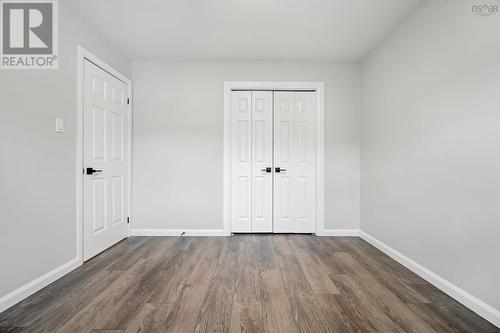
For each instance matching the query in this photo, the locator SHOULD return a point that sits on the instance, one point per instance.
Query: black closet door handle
(268, 169)
(91, 171)
(278, 170)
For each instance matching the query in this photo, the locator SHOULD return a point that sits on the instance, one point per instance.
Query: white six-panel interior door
(105, 160)
(273, 161)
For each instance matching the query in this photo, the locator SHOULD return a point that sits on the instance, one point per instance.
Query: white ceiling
(245, 29)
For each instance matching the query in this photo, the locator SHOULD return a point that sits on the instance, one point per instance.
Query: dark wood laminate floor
(252, 283)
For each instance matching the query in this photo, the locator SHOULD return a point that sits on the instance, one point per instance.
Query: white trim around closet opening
(319, 87)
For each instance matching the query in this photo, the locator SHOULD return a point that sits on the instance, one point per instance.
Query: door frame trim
(319, 87)
(82, 55)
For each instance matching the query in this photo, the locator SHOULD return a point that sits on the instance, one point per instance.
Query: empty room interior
(250, 166)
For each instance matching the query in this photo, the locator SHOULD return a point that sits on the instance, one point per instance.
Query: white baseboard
(176, 232)
(209, 232)
(481, 308)
(32, 287)
(339, 232)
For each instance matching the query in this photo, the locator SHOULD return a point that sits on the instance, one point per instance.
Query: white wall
(430, 161)
(37, 167)
(178, 139)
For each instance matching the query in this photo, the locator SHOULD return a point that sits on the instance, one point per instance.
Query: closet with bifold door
(273, 171)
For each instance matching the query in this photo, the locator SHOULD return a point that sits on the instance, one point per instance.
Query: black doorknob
(91, 171)
(278, 170)
(268, 169)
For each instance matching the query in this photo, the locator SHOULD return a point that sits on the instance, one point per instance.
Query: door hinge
(128, 220)
(128, 101)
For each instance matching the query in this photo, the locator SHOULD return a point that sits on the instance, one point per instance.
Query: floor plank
(314, 269)
(216, 310)
(277, 309)
(243, 283)
(150, 319)
(386, 301)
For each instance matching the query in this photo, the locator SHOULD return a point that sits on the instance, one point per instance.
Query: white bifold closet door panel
(241, 157)
(251, 154)
(262, 159)
(294, 161)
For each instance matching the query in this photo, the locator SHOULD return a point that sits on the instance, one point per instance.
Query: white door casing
(105, 147)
